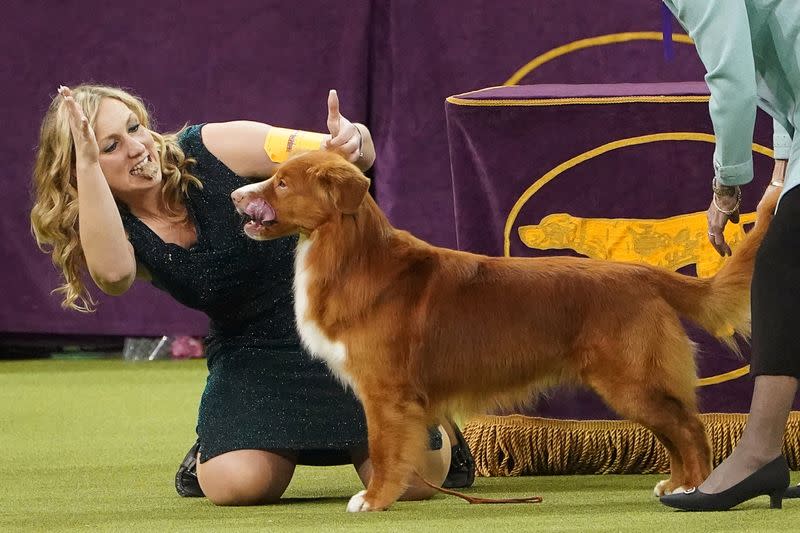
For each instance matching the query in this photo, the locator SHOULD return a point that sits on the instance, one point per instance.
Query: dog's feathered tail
(721, 304)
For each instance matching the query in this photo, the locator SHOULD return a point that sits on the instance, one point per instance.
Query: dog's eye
(281, 184)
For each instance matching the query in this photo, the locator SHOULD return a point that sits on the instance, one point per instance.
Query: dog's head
(305, 192)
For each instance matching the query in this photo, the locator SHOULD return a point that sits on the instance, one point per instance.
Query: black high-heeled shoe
(771, 479)
(792, 492)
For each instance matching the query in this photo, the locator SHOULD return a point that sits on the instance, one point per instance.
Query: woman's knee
(245, 477)
(434, 467)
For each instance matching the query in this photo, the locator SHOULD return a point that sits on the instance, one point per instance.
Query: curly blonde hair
(54, 216)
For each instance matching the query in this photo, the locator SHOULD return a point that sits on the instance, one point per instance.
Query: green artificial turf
(93, 445)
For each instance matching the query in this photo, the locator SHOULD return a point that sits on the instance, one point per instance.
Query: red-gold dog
(420, 331)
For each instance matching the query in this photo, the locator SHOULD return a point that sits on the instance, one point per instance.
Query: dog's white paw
(357, 503)
(661, 488)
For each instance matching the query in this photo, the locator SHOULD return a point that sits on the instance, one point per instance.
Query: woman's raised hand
(345, 136)
(86, 149)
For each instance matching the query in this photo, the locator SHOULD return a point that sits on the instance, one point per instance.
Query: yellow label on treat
(281, 142)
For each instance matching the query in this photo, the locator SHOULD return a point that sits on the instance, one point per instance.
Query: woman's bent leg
(246, 477)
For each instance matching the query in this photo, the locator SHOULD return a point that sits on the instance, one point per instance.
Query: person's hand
(86, 149)
(345, 136)
(724, 207)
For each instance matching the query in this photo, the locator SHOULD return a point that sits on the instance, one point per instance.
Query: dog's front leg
(397, 435)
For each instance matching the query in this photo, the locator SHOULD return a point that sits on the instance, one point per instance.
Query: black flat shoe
(186, 478)
(462, 464)
(771, 479)
(792, 492)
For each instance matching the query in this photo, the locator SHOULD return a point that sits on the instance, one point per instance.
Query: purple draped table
(615, 171)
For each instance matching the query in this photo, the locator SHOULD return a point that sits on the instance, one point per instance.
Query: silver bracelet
(776, 183)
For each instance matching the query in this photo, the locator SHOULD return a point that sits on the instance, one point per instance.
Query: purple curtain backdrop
(192, 62)
(394, 63)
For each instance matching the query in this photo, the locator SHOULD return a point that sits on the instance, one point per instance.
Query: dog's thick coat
(420, 331)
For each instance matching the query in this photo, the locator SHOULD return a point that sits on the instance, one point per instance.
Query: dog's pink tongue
(260, 210)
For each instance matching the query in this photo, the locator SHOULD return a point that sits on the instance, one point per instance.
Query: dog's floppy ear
(346, 184)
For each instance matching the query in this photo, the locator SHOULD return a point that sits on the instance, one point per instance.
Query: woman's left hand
(345, 136)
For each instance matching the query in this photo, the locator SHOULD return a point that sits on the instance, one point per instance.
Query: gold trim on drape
(517, 445)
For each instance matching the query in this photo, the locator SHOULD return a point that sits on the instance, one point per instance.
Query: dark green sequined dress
(263, 391)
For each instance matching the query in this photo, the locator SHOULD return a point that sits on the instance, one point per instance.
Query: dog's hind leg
(658, 391)
(397, 436)
(679, 428)
(676, 469)
(674, 424)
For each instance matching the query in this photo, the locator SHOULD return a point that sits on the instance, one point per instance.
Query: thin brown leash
(474, 499)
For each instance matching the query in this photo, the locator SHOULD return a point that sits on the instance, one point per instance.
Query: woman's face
(128, 154)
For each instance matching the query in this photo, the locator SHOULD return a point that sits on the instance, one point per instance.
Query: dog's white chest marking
(334, 353)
